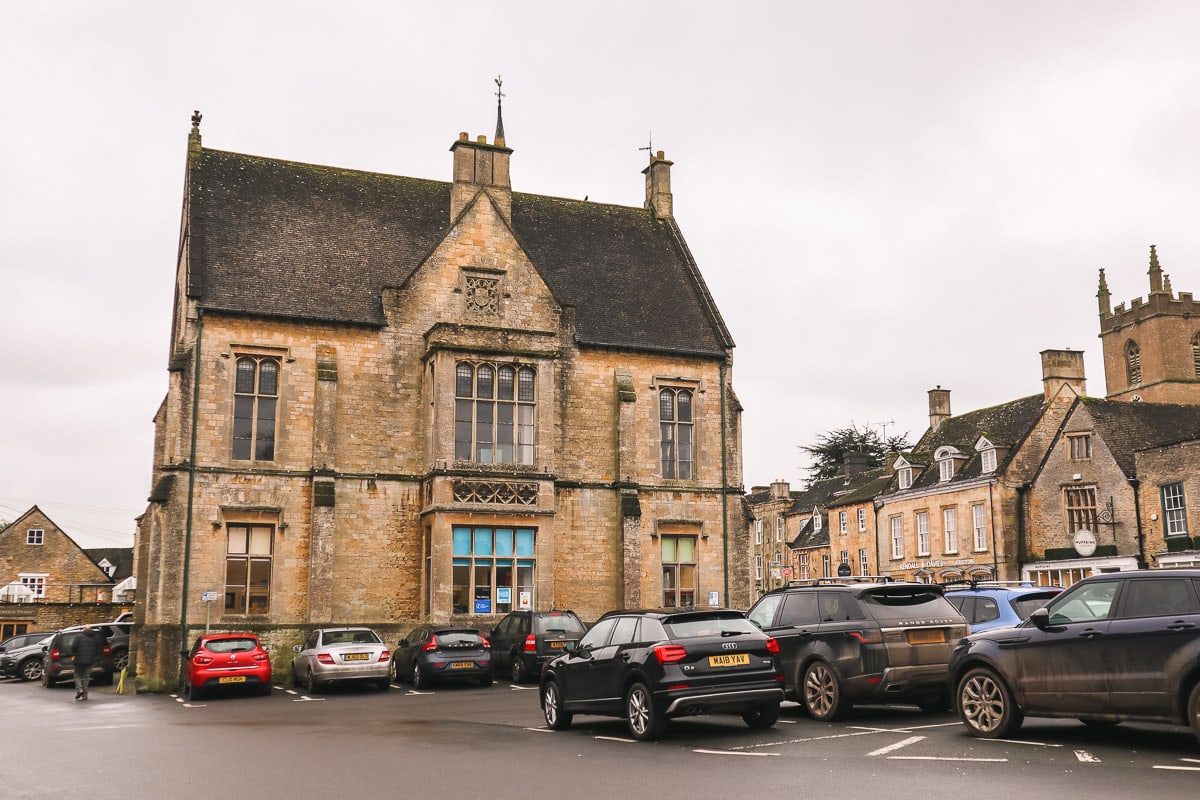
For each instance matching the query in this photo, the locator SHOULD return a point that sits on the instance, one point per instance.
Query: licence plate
(557, 645)
(731, 660)
(937, 636)
(232, 679)
(356, 656)
(462, 665)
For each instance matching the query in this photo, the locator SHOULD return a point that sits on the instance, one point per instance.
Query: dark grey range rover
(843, 642)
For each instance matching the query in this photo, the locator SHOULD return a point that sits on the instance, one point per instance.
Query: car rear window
(693, 627)
(558, 623)
(896, 604)
(458, 639)
(351, 637)
(1027, 604)
(230, 645)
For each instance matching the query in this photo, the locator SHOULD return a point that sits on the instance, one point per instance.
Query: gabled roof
(119, 557)
(283, 239)
(1128, 427)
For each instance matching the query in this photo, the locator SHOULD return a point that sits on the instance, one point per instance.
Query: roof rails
(841, 581)
(977, 583)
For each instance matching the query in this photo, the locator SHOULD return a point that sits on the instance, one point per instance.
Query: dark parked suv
(21, 655)
(861, 642)
(1122, 646)
(649, 666)
(56, 657)
(525, 640)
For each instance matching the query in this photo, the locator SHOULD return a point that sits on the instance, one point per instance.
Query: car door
(1062, 668)
(579, 681)
(612, 662)
(794, 628)
(501, 638)
(1155, 634)
(407, 649)
(303, 659)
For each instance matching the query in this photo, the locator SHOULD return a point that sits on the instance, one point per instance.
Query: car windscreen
(230, 645)
(558, 623)
(458, 639)
(692, 626)
(897, 604)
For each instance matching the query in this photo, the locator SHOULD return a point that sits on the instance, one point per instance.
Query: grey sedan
(341, 654)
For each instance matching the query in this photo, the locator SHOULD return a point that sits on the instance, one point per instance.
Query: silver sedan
(341, 654)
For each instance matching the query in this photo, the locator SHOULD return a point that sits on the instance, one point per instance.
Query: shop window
(493, 569)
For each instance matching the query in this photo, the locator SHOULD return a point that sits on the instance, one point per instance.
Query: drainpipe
(724, 493)
(187, 536)
(995, 554)
(1137, 517)
(1022, 510)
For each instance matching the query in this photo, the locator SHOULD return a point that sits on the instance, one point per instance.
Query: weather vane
(499, 83)
(650, 145)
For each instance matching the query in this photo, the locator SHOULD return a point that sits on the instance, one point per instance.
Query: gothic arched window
(1196, 355)
(1133, 363)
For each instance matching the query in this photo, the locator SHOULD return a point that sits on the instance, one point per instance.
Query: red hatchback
(220, 660)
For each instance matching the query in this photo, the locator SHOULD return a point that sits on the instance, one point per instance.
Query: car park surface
(432, 653)
(651, 666)
(1112, 648)
(868, 641)
(993, 604)
(221, 661)
(341, 655)
(524, 641)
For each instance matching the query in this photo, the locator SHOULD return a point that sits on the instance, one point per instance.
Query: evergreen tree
(828, 454)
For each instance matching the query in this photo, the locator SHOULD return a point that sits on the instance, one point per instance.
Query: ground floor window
(248, 553)
(8, 629)
(679, 570)
(1058, 577)
(493, 569)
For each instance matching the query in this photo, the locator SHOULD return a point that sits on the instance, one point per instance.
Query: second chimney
(939, 407)
(479, 166)
(1063, 368)
(658, 185)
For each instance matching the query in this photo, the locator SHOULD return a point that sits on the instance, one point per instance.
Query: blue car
(994, 604)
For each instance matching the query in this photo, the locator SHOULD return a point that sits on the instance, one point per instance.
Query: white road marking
(414, 691)
(306, 699)
(291, 691)
(1018, 741)
(1177, 769)
(945, 758)
(811, 739)
(615, 739)
(97, 727)
(732, 753)
(1086, 758)
(194, 705)
(1191, 760)
(540, 730)
(896, 746)
(516, 688)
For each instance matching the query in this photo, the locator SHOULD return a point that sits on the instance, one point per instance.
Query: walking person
(86, 651)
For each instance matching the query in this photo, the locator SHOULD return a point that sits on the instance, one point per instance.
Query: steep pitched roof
(307, 242)
(1129, 427)
(119, 557)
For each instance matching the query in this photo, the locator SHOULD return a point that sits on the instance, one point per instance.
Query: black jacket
(87, 648)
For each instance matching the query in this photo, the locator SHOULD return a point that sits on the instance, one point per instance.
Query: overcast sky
(883, 197)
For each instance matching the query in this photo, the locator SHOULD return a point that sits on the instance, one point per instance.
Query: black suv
(871, 641)
(56, 655)
(21, 655)
(649, 666)
(1122, 646)
(525, 640)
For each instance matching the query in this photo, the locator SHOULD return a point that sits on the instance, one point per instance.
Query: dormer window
(987, 455)
(904, 477)
(947, 458)
(816, 521)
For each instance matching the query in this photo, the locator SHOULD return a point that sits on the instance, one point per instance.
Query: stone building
(393, 399)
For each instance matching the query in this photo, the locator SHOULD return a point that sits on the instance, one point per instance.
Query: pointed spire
(1156, 281)
(499, 114)
(1104, 297)
(1167, 284)
(194, 136)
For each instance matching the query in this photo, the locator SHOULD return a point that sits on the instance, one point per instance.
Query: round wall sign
(1085, 542)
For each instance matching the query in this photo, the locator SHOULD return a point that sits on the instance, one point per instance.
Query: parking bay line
(1085, 757)
(897, 745)
(946, 758)
(1177, 769)
(732, 753)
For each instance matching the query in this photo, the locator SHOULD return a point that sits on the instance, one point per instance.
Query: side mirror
(295, 648)
(1040, 618)
(571, 647)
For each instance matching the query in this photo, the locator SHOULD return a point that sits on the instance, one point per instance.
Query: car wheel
(934, 704)
(192, 693)
(822, 694)
(986, 706)
(762, 717)
(419, 681)
(395, 674)
(556, 718)
(311, 684)
(120, 660)
(645, 723)
(47, 681)
(1193, 709)
(30, 669)
(516, 669)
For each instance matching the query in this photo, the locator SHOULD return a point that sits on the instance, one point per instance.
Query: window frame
(249, 441)
(1080, 515)
(1079, 446)
(843, 523)
(950, 530)
(904, 477)
(987, 460)
(758, 531)
(492, 558)
(250, 603)
(896, 529)
(35, 582)
(979, 527)
(487, 405)
(1174, 514)
(862, 520)
(38, 534)
(1133, 363)
(921, 520)
(677, 457)
(677, 569)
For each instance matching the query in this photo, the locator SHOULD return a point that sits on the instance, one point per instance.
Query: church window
(675, 427)
(679, 570)
(494, 413)
(1133, 363)
(255, 396)
(493, 569)
(1196, 356)
(248, 553)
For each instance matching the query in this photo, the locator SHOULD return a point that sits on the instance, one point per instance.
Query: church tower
(1152, 348)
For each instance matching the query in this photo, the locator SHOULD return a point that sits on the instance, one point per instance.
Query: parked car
(994, 604)
(56, 658)
(332, 655)
(526, 640)
(1116, 647)
(433, 653)
(865, 641)
(652, 666)
(224, 660)
(21, 655)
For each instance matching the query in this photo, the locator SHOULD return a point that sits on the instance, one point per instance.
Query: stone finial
(1156, 281)
(499, 115)
(1167, 284)
(1104, 297)
(196, 117)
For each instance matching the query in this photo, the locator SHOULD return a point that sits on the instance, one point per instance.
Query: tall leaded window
(922, 533)
(1133, 363)
(979, 528)
(493, 570)
(863, 566)
(950, 529)
(897, 537)
(255, 397)
(248, 554)
(1081, 508)
(1196, 356)
(1174, 511)
(678, 570)
(494, 411)
(675, 432)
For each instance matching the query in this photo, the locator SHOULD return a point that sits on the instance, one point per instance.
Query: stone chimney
(1063, 367)
(939, 407)
(889, 461)
(855, 463)
(780, 489)
(480, 167)
(658, 186)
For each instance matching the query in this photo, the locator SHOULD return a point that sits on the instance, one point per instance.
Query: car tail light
(54, 654)
(202, 660)
(484, 643)
(385, 656)
(531, 644)
(669, 653)
(107, 650)
(325, 658)
(430, 645)
(261, 656)
(772, 646)
(866, 637)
